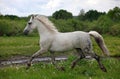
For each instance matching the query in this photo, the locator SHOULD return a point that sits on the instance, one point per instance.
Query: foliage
(62, 14)
(103, 24)
(92, 15)
(115, 29)
(81, 15)
(114, 14)
(11, 25)
(69, 25)
(12, 17)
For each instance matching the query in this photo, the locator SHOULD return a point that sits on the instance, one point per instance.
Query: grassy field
(18, 46)
(26, 46)
(86, 69)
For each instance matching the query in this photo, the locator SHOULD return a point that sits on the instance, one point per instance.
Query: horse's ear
(33, 16)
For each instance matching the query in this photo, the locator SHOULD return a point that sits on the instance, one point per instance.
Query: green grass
(112, 43)
(18, 46)
(26, 46)
(86, 69)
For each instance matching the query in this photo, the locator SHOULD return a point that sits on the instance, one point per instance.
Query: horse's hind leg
(99, 62)
(81, 56)
(54, 62)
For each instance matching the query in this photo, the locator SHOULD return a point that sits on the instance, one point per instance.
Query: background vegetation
(105, 23)
(17, 45)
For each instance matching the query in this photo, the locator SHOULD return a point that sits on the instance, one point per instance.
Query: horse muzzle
(25, 32)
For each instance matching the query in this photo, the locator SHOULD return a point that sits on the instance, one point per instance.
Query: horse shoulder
(46, 41)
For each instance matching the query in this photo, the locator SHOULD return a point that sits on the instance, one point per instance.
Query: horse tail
(99, 39)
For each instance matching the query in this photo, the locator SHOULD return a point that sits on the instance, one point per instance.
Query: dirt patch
(19, 60)
(23, 60)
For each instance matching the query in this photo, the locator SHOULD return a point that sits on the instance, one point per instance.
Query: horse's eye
(30, 23)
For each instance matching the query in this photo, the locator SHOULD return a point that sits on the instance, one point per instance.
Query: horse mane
(48, 24)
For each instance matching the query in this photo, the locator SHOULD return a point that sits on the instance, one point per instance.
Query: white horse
(54, 41)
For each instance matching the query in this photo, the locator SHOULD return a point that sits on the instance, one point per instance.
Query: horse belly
(61, 46)
(69, 41)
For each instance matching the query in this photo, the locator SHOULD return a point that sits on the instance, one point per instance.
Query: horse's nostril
(25, 32)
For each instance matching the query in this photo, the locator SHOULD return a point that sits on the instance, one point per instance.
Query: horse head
(30, 25)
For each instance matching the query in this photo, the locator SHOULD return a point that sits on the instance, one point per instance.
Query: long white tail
(99, 39)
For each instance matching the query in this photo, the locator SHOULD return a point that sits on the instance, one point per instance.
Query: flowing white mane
(48, 24)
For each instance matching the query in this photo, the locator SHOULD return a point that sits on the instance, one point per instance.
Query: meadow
(86, 69)
(11, 47)
(14, 45)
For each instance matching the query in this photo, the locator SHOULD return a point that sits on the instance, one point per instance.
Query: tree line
(105, 23)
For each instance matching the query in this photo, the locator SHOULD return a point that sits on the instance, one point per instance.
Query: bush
(63, 25)
(115, 30)
(103, 24)
(11, 27)
(69, 25)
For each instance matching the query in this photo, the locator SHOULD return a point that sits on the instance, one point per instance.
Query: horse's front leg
(33, 56)
(53, 58)
(81, 56)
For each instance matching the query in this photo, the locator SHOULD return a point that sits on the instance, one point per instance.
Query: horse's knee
(39, 52)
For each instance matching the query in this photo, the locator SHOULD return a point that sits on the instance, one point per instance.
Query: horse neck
(43, 31)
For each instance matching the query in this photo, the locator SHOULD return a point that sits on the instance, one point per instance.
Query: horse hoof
(61, 68)
(72, 66)
(104, 69)
(28, 66)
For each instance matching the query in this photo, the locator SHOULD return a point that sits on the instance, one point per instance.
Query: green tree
(81, 15)
(115, 29)
(103, 24)
(93, 15)
(114, 14)
(62, 14)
